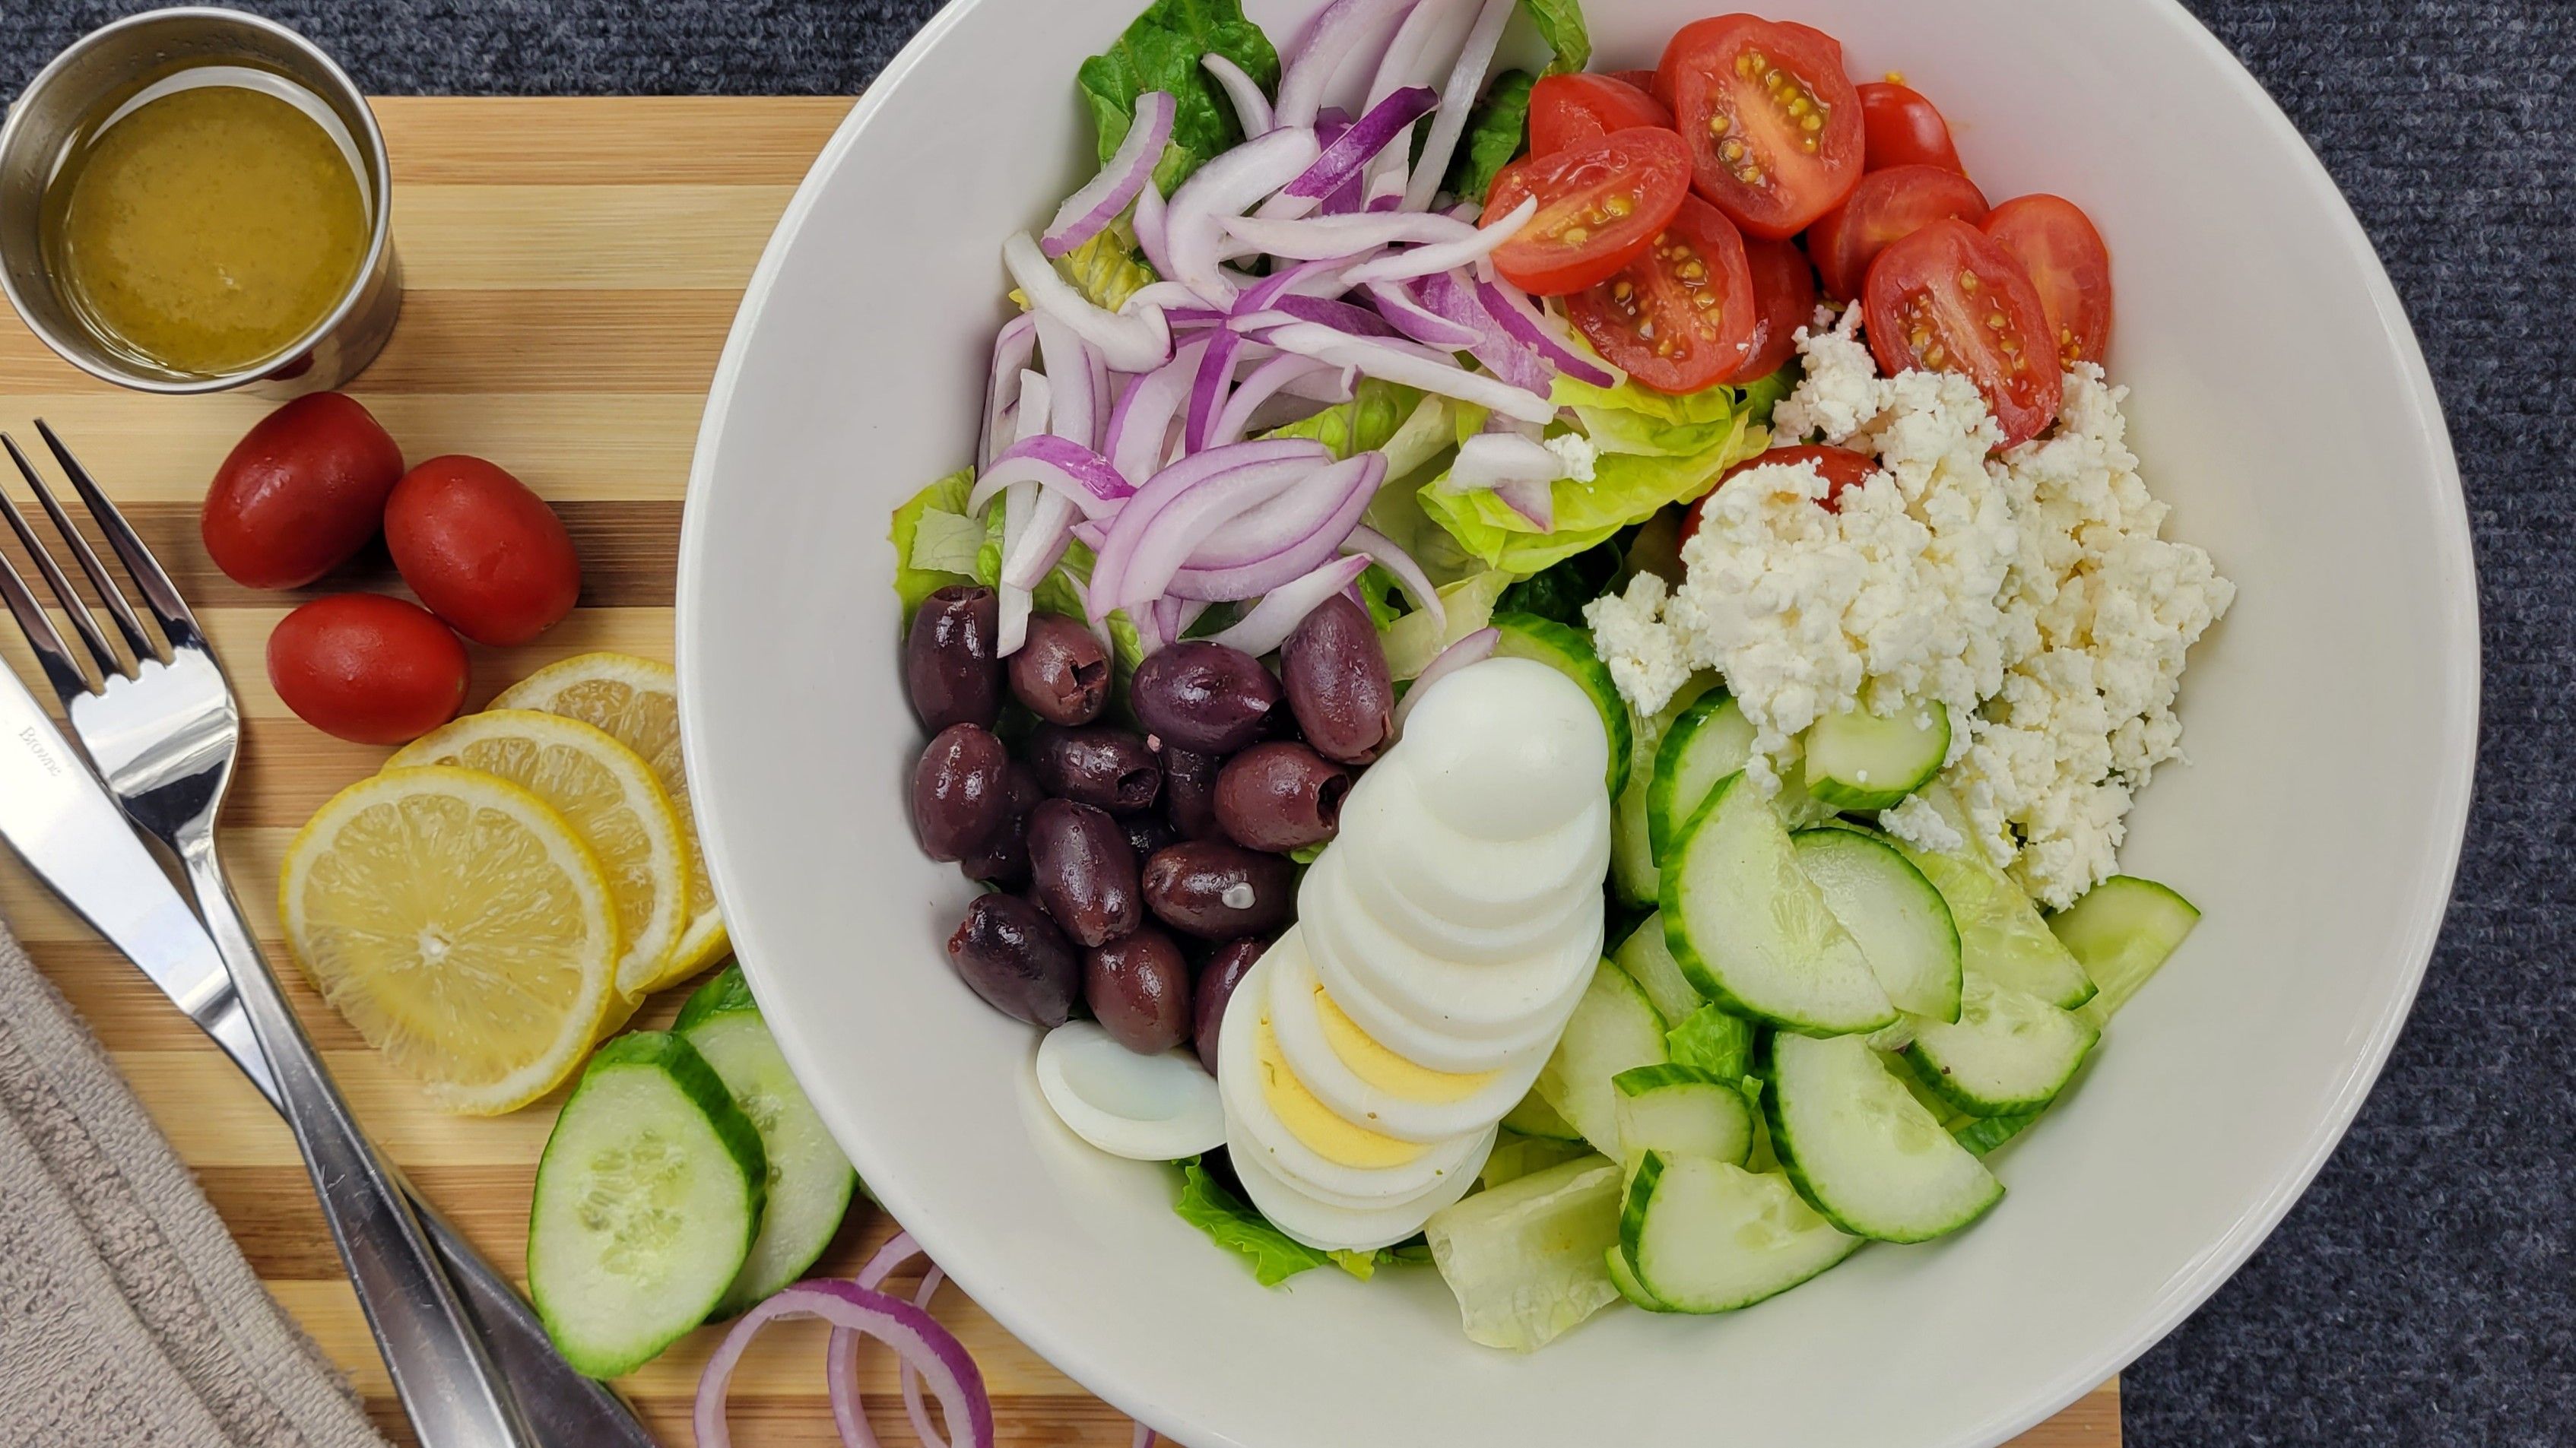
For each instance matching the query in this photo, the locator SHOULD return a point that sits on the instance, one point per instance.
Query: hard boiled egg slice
(1359, 1078)
(1453, 876)
(1150, 1108)
(1332, 1227)
(1472, 1000)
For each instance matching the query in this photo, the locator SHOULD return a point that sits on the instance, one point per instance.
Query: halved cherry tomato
(1841, 467)
(2057, 244)
(1784, 299)
(1886, 206)
(1774, 128)
(1568, 110)
(1681, 316)
(1643, 80)
(1904, 129)
(1598, 206)
(1951, 299)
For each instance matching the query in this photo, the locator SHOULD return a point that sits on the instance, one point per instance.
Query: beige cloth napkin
(128, 1318)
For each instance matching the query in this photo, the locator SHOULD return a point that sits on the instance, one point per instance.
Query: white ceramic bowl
(2280, 404)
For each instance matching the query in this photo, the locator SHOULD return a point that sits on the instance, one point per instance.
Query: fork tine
(84, 622)
(109, 591)
(61, 669)
(159, 593)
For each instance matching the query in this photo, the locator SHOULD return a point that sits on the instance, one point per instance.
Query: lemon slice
(615, 806)
(638, 702)
(458, 922)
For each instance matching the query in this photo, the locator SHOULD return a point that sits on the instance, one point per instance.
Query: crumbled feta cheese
(2027, 592)
(1917, 823)
(1575, 452)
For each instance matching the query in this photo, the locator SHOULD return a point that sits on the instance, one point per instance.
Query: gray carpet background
(2423, 1293)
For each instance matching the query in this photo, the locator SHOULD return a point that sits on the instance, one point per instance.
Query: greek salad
(1543, 668)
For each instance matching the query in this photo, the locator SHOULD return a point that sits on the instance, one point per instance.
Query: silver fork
(164, 733)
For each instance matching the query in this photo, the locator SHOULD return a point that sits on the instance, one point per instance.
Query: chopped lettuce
(1640, 421)
(1161, 51)
(1273, 1255)
(1373, 417)
(1107, 269)
(935, 542)
(1414, 640)
(1497, 133)
(1560, 24)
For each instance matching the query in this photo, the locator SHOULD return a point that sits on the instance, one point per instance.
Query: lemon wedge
(458, 922)
(637, 701)
(613, 803)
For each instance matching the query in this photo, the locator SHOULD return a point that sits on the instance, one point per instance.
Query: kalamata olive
(1014, 957)
(1004, 859)
(1334, 671)
(1062, 672)
(1217, 980)
(1139, 987)
(1203, 696)
(949, 667)
(1281, 796)
(1084, 871)
(1095, 765)
(1215, 890)
(1147, 833)
(959, 801)
(1189, 792)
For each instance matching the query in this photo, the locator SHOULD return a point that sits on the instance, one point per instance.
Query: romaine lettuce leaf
(1376, 412)
(1274, 1255)
(1107, 269)
(1414, 640)
(1560, 24)
(1497, 133)
(1161, 51)
(934, 541)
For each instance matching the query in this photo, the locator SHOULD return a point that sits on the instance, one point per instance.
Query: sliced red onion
(1388, 361)
(1260, 532)
(1536, 330)
(1352, 483)
(1336, 33)
(1175, 300)
(1013, 348)
(1173, 617)
(1341, 316)
(1466, 82)
(1078, 378)
(1223, 188)
(1040, 545)
(916, 1337)
(1141, 427)
(1407, 315)
(1330, 388)
(1208, 390)
(1519, 470)
(1443, 256)
(1088, 212)
(1453, 297)
(1259, 386)
(1317, 237)
(1152, 223)
(1424, 48)
(1164, 543)
(1385, 192)
(1145, 1438)
(1132, 342)
(1475, 648)
(1370, 134)
(1382, 550)
(1261, 467)
(1251, 107)
(1060, 465)
(1268, 623)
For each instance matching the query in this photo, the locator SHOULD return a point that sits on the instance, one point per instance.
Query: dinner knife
(59, 819)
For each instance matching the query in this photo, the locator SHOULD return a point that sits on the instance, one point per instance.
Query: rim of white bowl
(1078, 1358)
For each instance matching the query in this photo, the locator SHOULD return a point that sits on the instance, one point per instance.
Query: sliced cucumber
(1982, 1134)
(1860, 761)
(1706, 1236)
(1711, 740)
(1526, 1260)
(2008, 1054)
(809, 1181)
(2001, 935)
(1632, 851)
(1515, 1156)
(1753, 932)
(1714, 1041)
(1624, 1277)
(2121, 932)
(1682, 1111)
(1614, 1028)
(1569, 652)
(648, 1197)
(1861, 1149)
(1534, 1117)
(1899, 919)
(1649, 962)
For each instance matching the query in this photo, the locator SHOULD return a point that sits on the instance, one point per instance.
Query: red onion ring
(1276, 462)
(1088, 212)
(1164, 542)
(1382, 358)
(1060, 465)
(1261, 532)
(1258, 387)
(916, 1337)
(1268, 623)
(1536, 330)
(1466, 82)
(1355, 147)
(1442, 256)
(1474, 648)
(1335, 34)
(1141, 427)
(1132, 342)
(1251, 107)
(1382, 550)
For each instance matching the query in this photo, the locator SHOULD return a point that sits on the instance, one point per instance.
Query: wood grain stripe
(535, 238)
(631, 141)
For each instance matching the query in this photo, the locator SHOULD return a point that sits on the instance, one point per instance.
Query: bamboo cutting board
(572, 267)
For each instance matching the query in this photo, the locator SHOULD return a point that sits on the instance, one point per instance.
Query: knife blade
(59, 819)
